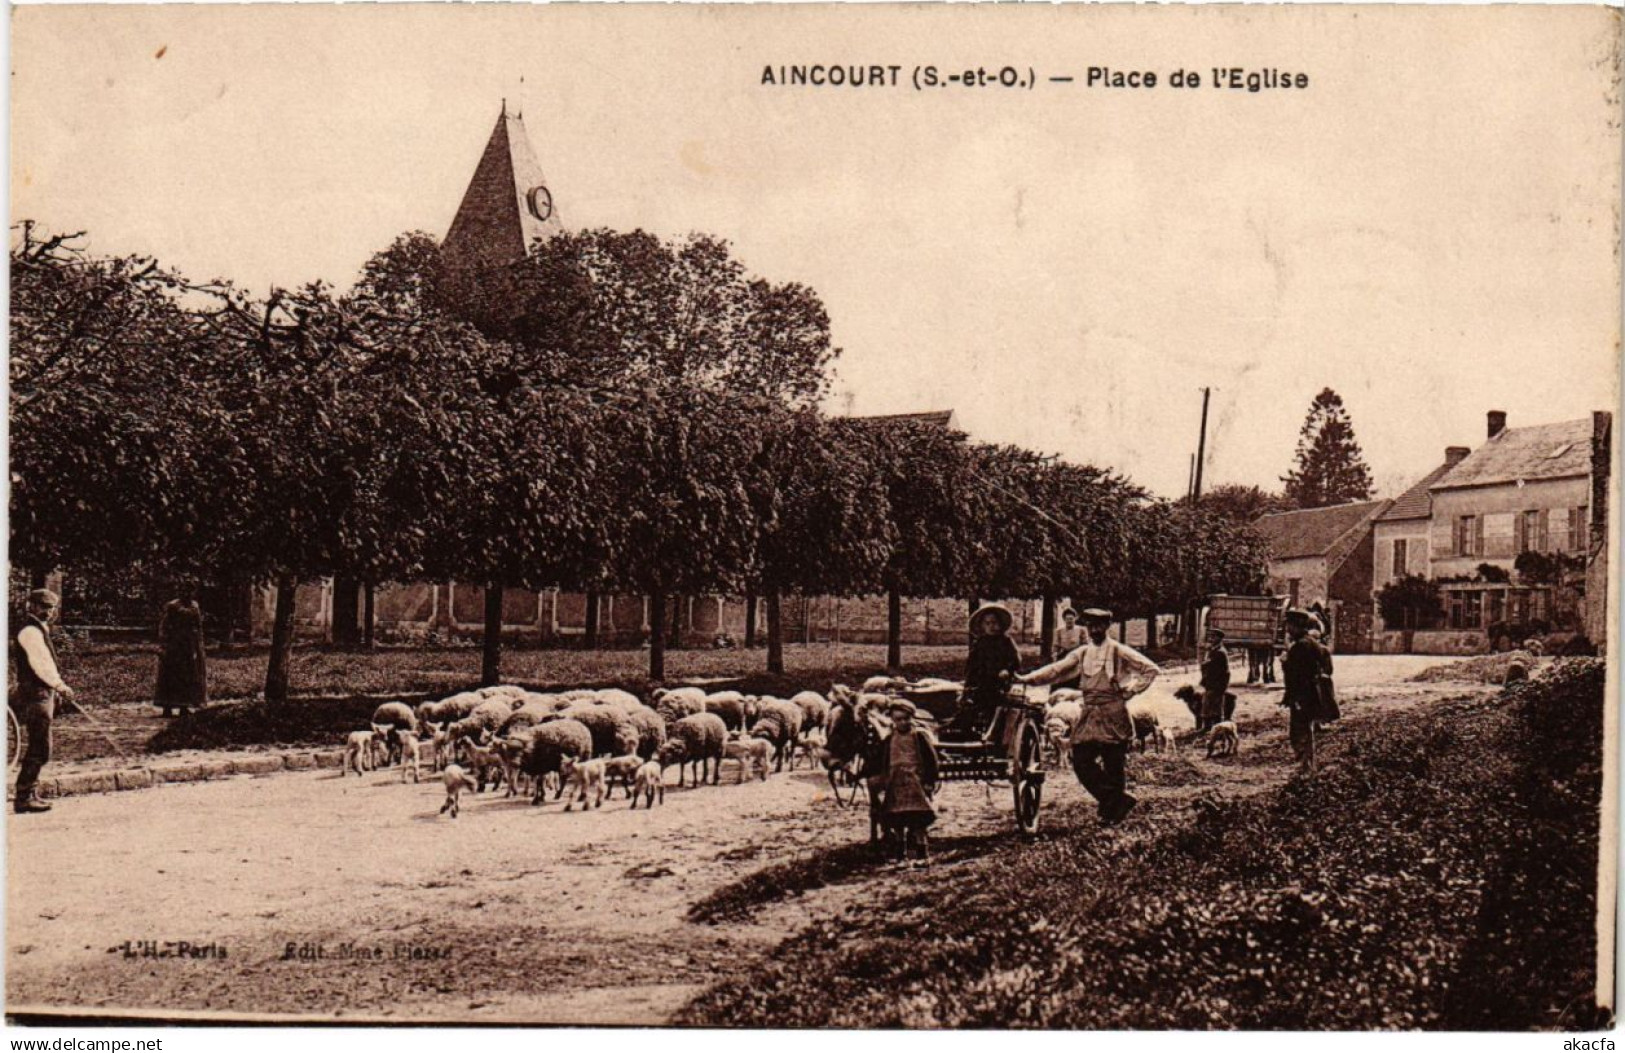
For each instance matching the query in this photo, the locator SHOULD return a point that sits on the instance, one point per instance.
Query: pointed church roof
(507, 205)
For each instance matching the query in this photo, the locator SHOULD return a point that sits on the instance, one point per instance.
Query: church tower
(507, 205)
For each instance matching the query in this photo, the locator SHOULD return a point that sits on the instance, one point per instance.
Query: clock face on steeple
(540, 202)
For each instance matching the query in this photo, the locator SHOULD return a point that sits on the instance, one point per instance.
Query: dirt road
(312, 893)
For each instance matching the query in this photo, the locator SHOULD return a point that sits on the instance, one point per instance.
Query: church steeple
(507, 205)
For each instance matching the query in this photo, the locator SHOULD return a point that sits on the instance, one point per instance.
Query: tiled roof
(507, 205)
(936, 418)
(1314, 531)
(1543, 451)
(1415, 503)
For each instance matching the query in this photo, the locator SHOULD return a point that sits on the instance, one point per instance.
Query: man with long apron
(34, 698)
(1110, 673)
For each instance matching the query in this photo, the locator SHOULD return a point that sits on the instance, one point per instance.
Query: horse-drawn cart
(1008, 750)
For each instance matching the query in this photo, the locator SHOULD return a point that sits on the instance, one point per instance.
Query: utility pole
(1190, 482)
(1201, 449)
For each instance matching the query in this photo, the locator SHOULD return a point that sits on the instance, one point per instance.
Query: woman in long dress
(182, 674)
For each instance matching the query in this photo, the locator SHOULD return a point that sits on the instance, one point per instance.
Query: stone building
(1324, 556)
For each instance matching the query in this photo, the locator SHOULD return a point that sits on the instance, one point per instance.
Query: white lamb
(649, 784)
(409, 754)
(621, 771)
(748, 751)
(582, 778)
(358, 752)
(456, 780)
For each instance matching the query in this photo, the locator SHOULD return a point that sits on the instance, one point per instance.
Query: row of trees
(614, 413)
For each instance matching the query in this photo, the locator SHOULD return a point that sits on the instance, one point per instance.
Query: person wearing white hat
(1110, 672)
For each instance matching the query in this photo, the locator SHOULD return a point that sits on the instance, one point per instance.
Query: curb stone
(148, 776)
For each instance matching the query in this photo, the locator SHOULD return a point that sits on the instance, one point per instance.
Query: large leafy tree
(1241, 503)
(1328, 468)
(823, 517)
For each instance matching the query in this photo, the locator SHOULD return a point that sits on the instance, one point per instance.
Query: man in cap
(34, 700)
(1110, 673)
(1215, 679)
(1305, 660)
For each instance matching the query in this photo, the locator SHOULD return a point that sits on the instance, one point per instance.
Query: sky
(1429, 228)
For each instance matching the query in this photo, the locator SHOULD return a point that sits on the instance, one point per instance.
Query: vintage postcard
(800, 516)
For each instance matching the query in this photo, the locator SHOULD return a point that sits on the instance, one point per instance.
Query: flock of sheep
(584, 743)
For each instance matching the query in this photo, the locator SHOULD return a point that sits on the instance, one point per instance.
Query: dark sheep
(779, 722)
(549, 745)
(696, 739)
(1192, 697)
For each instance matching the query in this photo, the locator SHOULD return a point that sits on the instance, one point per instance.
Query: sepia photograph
(887, 516)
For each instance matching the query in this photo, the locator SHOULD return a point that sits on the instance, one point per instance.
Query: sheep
(882, 684)
(501, 691)
(814, 708)
(394, 718)
(696, 739)
(409, 754)
(1164, 739)
(485, 760)
(510, 752)
(673, 705)
(1145, 720)
(1224, 739)
(481, 723)
(358, 749)
(651, 729)
(734, 709)
(549, 745)
(778, 722)
(440, 744)
(614, 696)
(456, 780)
(1059, 720)
(619, 771)
(809, 747)
(649, 783)
(613, 734)
(526, 716)
(582, 777)
(748, 752)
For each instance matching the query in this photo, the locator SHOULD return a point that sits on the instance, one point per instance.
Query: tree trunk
(276, 670)
(1150, 631)
(593, 603)
(1122, 630)
(1046, 631)
(750, 619)
(971, 605)
(346, 594)
(657, 635)
(491, 656)
(894, 629)
(369, 617)
(775, 633)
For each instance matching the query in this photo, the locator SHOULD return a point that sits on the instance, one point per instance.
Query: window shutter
(1520, 541)
(1478, 536)
(1545, 523)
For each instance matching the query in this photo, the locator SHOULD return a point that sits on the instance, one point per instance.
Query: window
(1526, 527)
(1400, 545)
(1292, 591)
(1472, 613)
(1577, 529)
(1469, 536)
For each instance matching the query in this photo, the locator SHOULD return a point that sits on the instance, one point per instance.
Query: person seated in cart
(993, 661)
(911, 781)
(1111, 673)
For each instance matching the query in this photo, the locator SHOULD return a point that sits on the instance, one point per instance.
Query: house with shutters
(1467, 523)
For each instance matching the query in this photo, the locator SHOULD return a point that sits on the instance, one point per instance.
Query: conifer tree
(1329, 468)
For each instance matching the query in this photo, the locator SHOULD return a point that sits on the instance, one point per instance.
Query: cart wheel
(1028, 780)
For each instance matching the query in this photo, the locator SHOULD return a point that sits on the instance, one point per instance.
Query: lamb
(583, 777)
(440, 744)
(696, 739)
(748, 752)
(1059, 720)
(814, 708)
(809, 747)
(549, 745)
(358, 751)
(613, 734)
(778, 722)
(649, 783)
(675, 704)
(409, 754)
(734, 709)
(485, 760)
(651, 729)
(619, 771)
(456, 780)
(1223, 740)
(393, 718)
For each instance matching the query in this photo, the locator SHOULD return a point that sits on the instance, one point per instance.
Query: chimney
(1454, 455)
(1497, 421)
